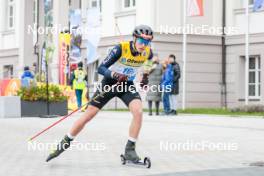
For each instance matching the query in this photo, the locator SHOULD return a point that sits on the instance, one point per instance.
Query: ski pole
(63, 118)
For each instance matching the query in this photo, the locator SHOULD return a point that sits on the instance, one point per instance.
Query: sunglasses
(142, 41)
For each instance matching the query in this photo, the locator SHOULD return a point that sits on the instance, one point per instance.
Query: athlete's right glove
(119, 77)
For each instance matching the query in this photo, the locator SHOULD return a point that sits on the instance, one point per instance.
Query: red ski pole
(63, 118)
(55, 123)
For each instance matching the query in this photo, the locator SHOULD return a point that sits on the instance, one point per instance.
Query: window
(254, 83)
(8, 71)
(129, 4)
(250, 3)
(10, 14)
(96, 4)
(35, 11)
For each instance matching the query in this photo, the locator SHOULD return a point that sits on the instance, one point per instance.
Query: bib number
(130, 72)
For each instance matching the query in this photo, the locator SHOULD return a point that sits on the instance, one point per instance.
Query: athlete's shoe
(61, 147)
(130, 152)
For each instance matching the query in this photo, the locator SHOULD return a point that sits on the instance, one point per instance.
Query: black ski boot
(130, 152)
(61, 147)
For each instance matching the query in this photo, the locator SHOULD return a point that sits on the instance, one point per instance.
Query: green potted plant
(34, 101)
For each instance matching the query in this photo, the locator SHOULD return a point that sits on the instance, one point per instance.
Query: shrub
(249, 108)
(39, 93)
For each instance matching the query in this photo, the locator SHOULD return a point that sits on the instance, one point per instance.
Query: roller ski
(61, 147)
(131, 156)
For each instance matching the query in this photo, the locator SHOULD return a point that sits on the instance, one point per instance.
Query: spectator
(155, 75)
(166, 84)
(175, 84)
(27, 78)
(73, 67)
(78, 82)
(147, 66)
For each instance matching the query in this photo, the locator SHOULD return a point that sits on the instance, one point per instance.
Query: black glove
(119, 77)
(144, 80)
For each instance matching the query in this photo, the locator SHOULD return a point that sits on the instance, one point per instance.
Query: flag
(75, 18)
(48, 13)
(64, 42)
(195, 8)
(76, 36)
(258, 5)
(43, 58)
(93, 34)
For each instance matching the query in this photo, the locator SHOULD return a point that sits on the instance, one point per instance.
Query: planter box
(39, 108)
(10, 106)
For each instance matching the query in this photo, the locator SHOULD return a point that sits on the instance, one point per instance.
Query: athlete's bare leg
(88, 115)
(135, 108)
(75, 130)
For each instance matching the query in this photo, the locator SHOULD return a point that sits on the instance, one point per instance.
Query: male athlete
(119, 68)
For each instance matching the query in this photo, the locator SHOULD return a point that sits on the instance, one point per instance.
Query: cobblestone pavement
(186, 145)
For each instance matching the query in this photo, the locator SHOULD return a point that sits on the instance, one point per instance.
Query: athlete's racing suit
(123, 59)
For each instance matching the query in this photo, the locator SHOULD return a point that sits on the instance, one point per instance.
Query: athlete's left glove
(119, 77)
(144, 80)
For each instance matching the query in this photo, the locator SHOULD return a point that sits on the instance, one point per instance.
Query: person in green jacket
(79, 82)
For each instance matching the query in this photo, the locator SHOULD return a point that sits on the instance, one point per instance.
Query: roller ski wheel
(123, 159)
(146, 162)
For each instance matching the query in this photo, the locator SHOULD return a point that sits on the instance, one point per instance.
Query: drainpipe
(223, 87)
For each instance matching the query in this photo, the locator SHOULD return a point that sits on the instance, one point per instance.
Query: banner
(64, 43)
(75, 18)
(48, 13)
(258, 5)
(195, 8)
(43, 58)
(9, 87)
(48, 45)
(93, 34)
(76, 37)
(48, 20)
(72, 100)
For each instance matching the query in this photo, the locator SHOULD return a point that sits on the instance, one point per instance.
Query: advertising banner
(64, 43)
